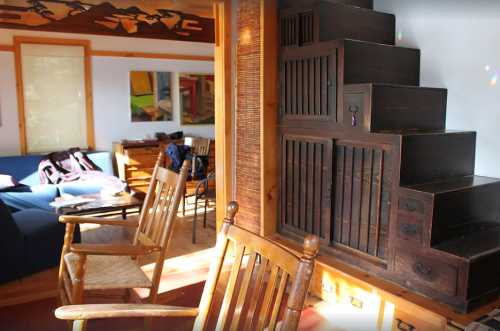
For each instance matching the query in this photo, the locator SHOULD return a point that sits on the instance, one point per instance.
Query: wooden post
(223, 108)
(269, 149)
(300, 286)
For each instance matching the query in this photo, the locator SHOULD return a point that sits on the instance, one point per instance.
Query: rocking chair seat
(108, 272)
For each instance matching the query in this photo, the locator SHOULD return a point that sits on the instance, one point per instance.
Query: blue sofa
(31, 238)
(34, 195)
(31, 241)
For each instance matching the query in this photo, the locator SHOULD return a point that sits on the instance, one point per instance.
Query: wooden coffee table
(124, 205)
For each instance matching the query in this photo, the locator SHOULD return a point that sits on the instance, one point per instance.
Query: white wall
(110, 80)
(9, 124)
(458, 40)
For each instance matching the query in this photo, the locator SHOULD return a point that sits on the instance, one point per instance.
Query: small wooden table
(124, 204)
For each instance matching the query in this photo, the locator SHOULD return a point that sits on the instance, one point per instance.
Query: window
(54, 103)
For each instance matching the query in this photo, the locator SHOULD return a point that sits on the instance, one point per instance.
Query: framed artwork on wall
(151, 96)
(197, 98)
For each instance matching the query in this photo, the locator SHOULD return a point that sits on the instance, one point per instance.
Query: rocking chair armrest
(113, 249)
(96, 220)
(98, 311)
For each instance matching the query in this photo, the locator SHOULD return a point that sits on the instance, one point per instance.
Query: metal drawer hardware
(423, 270)
(403, 326)
(356, 303)
(410, 205)
(353, 109)
(409, 230)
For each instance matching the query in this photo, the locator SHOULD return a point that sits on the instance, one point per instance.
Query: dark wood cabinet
(367, 165)
(386, 108)
(306, 181)
(324, 21)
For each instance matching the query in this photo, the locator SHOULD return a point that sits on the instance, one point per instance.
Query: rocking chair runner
(260, 269)
(104, 266)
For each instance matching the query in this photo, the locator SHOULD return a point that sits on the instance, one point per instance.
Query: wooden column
(223, 108)
(256, 150)
(269, 150)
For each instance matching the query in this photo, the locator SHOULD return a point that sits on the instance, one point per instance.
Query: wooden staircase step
(326, 21)
(285, 4)
(462, 206)
(480, 252)
(388, 107)
(428, 157)
(475, 245)
(368, 62)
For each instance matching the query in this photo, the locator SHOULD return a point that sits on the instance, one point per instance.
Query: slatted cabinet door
(306, 186)
(362, 197)
(308, 88)
(298, 29)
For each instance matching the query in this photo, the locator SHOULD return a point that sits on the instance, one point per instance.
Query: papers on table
(72, 202)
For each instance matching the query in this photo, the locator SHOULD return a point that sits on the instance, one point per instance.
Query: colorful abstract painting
(197, 98)
(151, 96)
(162, 19)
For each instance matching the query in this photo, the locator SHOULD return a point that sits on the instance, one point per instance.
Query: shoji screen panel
(54, 96)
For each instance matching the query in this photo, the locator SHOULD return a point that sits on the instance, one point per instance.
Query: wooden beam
(18, 41)
(128, 54)
(224, 128)
(6, 48)
(269, 150)
(163, 56)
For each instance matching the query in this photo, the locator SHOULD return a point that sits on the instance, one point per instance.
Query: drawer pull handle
(423, 270)
(354, 111)
(410, 205)
(403, 326)
(355, 302)
(409, 230)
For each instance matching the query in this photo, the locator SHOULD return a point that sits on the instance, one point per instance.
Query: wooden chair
(86, 267)
(259, 274)
(199, 147)
(204, 191)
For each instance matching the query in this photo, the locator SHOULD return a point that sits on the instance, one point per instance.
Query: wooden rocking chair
(86, 267)
(259, 275)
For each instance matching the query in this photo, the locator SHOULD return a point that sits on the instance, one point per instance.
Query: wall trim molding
(127, 54)
(6, 48)
(145, 55)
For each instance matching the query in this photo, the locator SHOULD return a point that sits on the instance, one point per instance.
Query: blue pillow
(11, 246)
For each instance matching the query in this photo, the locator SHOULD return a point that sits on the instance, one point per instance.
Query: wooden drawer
(141, 160)
(135, 173)
(408, 317)
(355, 114)
(425, 272)
(142, 151)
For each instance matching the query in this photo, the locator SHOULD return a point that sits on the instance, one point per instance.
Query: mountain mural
(107, 18)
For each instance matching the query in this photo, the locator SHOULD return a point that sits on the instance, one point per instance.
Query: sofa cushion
(43, 238)
(24, 197)
(11, 246)
(23, 168)
(104, 160)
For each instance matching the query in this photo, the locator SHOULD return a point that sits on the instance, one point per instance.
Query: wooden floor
(185, 264)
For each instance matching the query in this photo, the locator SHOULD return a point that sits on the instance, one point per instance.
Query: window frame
(18, 41)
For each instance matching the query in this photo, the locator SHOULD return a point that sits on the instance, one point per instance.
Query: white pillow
(7, 181)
